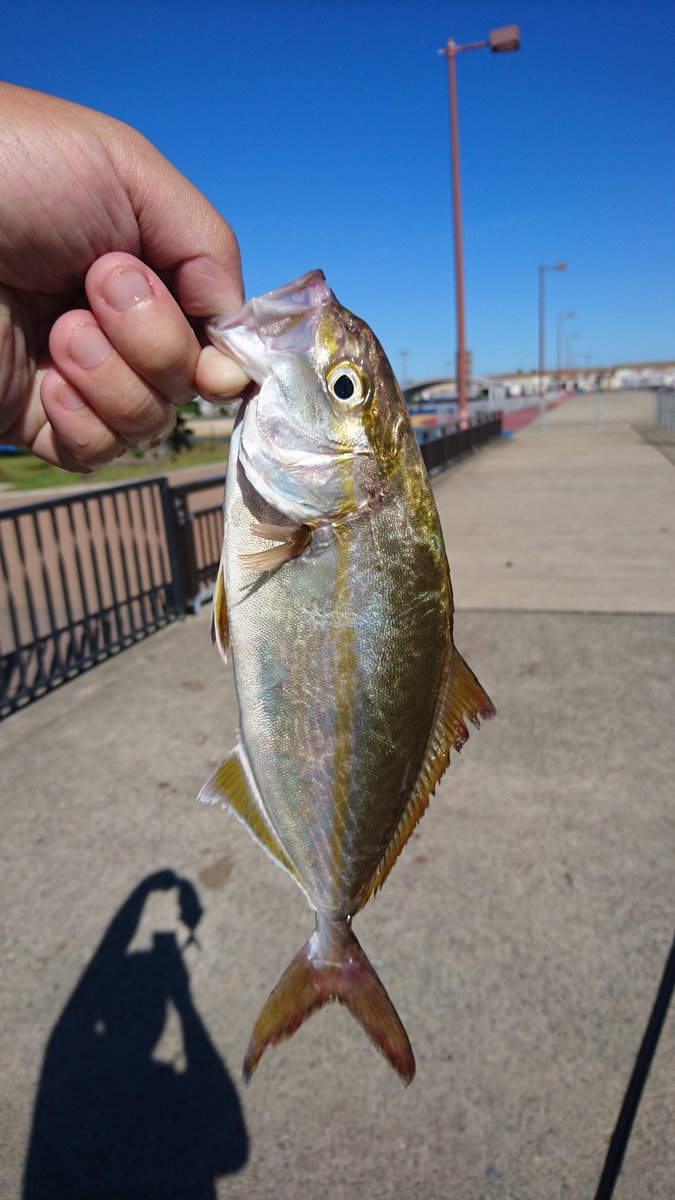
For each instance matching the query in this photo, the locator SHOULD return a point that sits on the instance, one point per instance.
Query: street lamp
(542, 335)
(499, 40)
(562, 317)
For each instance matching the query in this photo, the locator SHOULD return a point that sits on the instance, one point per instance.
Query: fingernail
(68, 397)
(88, 347)
(123, 289)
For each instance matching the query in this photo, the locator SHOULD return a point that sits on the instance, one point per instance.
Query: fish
(334, 596)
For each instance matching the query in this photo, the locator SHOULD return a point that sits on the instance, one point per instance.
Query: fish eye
(347, 385)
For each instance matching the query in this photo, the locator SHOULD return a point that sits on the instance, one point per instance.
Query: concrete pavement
(573, 517)
(521, 936)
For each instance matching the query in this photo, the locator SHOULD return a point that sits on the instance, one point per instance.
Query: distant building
(590, 378)
(431, 399)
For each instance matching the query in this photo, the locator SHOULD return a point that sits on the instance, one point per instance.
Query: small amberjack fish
(335, 594)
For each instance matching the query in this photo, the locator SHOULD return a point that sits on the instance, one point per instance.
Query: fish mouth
(281, 320)
(303, 294)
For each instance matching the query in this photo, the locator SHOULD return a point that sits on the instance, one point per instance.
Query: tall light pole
(542, 335)
(499, 40)
(404, 367)
(571, 361)
(562, 317)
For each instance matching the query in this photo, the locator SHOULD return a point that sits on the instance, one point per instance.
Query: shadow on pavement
(638, 1079)
(112, 1121)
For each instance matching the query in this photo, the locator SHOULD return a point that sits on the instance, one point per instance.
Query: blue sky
(320, 129)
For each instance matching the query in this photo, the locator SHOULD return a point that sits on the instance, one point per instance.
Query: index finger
(145, 325)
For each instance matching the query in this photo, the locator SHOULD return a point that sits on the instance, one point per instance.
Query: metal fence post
(179, 542)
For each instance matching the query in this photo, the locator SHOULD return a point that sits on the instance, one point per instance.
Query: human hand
(92, 214)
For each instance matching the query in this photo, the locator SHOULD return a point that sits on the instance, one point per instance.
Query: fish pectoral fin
(232, 786)
(220, 631)
(460, 696)
(292, 539)
(312, 980)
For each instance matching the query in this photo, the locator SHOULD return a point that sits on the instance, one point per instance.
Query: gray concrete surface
(522, 933)
(573, 517)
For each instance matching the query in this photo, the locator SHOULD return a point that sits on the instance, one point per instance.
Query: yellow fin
(220, 632)
(292, 538)
(233, 786)
(461, 696)
(327, 969)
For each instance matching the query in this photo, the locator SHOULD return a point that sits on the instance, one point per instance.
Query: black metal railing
(81, 577)
(198, 533)
(85, 575)
(447, 443)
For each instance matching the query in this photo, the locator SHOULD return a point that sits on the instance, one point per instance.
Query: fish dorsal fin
(220, 632)
(234, 787)
(460, 696)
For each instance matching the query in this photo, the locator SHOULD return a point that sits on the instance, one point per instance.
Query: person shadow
(111, 1122)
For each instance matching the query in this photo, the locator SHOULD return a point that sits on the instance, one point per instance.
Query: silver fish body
(335, 596)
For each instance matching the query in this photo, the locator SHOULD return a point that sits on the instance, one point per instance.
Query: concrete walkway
(573, 517)
(522, 934)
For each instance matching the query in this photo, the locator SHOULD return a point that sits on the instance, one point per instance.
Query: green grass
(23, 472)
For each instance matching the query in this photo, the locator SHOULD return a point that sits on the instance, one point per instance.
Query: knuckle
(92, 446)
(143, 416)
(165, 362)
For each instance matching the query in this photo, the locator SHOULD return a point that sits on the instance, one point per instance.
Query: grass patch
(24, 472)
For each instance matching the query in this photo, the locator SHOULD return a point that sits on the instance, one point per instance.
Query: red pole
(462, 389)
(542, 344)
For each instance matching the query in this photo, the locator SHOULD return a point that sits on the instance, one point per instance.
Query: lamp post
(499, 41)
(571, 361)
(404, 367)
(542, 335)
(562, 317)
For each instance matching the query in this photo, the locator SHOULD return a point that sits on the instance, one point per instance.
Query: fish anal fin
(220, 632)
(461, 697)
(292, 539)
(321, 973)
(232, 786)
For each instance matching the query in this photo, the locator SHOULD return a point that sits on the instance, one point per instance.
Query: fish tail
(331, 966)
